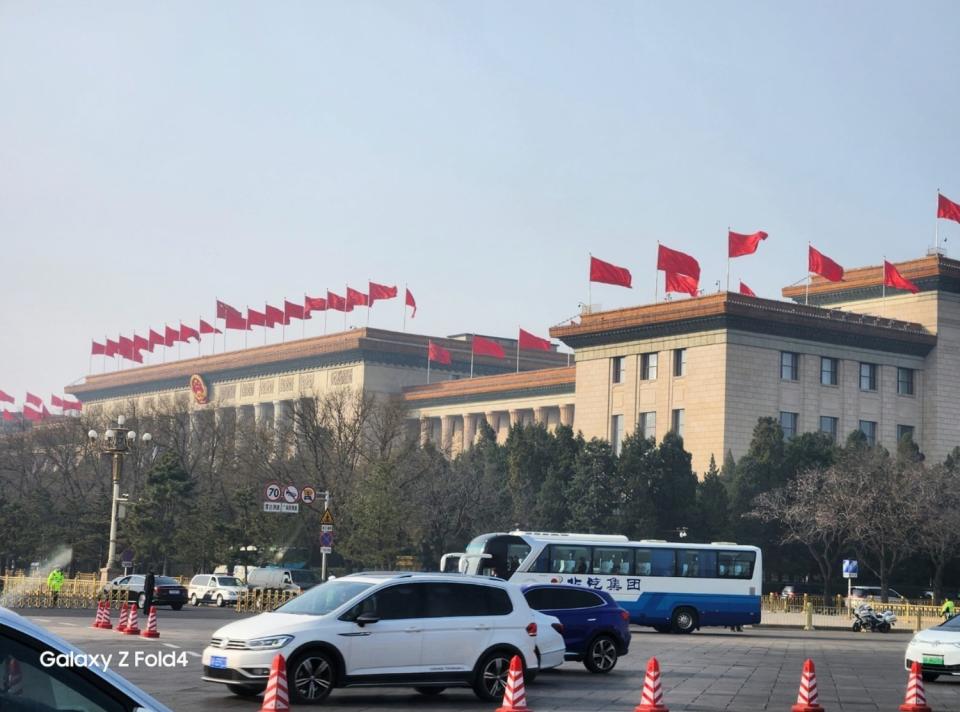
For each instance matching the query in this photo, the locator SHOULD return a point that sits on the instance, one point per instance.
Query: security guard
(947, 609)
(55, 583)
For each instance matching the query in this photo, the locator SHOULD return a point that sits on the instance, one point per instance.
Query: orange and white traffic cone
(514, 696)
(651, 700)
(98, 619)
(107, 623)
(151, 631)
(133, 621)
(124, 614)
(276, 697)
(14, 681)
(808, 699)
(916, 700)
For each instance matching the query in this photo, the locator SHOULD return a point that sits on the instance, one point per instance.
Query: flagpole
(180, 343)
(806, 294)
(346, 303)
(471, 359)
(303, 322)
(283, 324)
(883, 279)
(368, 301)
(589, 285)
(518, 349)
(404, 307)
(728, 258)
(656, 274)
(265, 305)
(936, 224)
(246, 325)
(428, 362)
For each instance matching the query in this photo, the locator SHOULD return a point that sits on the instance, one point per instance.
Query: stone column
(425, 427)
(566, 415)
(540, 416)
(493, 420)
(469, 430)
(516, 417)
(280, 423)
(260, 414)
(446, 433)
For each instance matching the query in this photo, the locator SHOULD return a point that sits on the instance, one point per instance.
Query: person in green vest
(947, 609)
(55, 583)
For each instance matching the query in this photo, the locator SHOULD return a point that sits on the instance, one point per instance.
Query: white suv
(428, 631)
(215, 588)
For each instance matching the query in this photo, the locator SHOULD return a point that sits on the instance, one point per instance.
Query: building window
(677, 424)
(648, 425)
(788, 421)
(869, 429)
(905, 381)
(616, 433)
(829, 371)
(616, 369)
(789, 366)
(648, 367)
(830, 426)
(680, 362)
(868, 376)
(903, 431)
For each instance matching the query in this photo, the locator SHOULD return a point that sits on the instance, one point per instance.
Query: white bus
(670, 586)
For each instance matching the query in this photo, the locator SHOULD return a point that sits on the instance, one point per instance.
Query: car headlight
(275, 641)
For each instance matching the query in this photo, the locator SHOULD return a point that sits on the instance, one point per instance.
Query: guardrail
(258, 601)
(82, 591)
(812, 613)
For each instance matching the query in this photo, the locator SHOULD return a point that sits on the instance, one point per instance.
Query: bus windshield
(506, 553)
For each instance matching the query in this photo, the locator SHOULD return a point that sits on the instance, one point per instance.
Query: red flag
(335, 301)
(31, 414)
(739, 245)
(187, 333)
(534, 343)
(947, 209)
(205, 328)
(893, 278)
(381, 291)
(607, 273)
(236, 322)
(97, 349)
(171, 336)
(56, 402)
(125, 347)
(141, 344)
(72, 405)
(294, 311)
(7, 415)
(312, 304)
(411, 302)
(824, 266)
(744, 289)
(255, 318)
(224, 310)
(486, 347)
(44, 413)
(356, 299)
(437, 353)
(6, 397)
(682, 283)
(275, 316)
(674, 261)
(34, 400)
(155, 339)
(112, 348)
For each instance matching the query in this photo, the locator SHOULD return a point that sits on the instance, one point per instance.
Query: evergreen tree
(713, 506)
(673, 486)
(638, 458)
(593, 497)
(552, 512)
(158, 527)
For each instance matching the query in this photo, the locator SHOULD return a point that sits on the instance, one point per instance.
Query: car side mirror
(365, 618)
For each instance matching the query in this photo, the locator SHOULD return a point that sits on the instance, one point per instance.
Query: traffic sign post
(851, 568)
(272, 492)
(326, 535)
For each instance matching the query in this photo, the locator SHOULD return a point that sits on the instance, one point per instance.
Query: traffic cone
(133, 621)
(275, 697)
(916, 700)
(103, 618)
(514, 696)
(14, 682)
(651, 700)
(122, 623)
(107, 623)
(151, 631)
(98, 619)
(808, 698)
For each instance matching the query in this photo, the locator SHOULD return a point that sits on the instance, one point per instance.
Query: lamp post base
(108, 573)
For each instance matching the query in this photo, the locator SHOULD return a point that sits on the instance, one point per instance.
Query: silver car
(221, 589)
(35, 674)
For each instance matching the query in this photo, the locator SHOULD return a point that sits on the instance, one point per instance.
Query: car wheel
(311, 676)
(244, 690)
(220, 600)
(490, 680)
(884, 627)
(930, 676)
(684, 620)
(141, 601)
(194, 601)
(856, 626)
(176, 606)
(601, 654)
(430, 691)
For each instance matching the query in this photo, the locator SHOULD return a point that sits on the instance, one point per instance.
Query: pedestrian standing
(55, 583)
(149, 583)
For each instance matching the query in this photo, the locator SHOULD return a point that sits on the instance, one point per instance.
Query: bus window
(696, 563)
(655, 562)
(565, 559)
(542, 564)
(613, 561)
(506, 554)
(736, 564)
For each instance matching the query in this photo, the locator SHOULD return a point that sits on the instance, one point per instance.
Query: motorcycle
(865, 618)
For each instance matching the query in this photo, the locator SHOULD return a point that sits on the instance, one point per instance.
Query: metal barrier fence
(812, 613)
(257, 601)
(82, 591)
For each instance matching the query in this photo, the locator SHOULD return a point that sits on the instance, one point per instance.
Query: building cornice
(526, 384)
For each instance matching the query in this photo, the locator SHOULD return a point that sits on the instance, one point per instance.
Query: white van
(214, 588)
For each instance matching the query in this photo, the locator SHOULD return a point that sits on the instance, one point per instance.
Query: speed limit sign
(273, 492)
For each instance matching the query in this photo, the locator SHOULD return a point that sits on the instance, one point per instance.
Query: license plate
(932, 660)
(218, 661)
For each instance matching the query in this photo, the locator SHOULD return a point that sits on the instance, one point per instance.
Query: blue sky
(154, 156)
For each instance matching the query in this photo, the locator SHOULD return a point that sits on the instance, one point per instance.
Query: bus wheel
(684, 620)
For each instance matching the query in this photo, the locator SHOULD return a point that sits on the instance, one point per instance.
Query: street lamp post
(115, 442)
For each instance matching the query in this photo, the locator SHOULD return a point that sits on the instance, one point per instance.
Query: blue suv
(595, 629)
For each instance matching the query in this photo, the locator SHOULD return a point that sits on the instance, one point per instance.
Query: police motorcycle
(865, 618)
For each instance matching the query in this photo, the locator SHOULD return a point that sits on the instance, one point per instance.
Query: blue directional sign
(850, 568)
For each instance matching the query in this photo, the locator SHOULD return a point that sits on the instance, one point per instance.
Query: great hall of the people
(832, 357)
